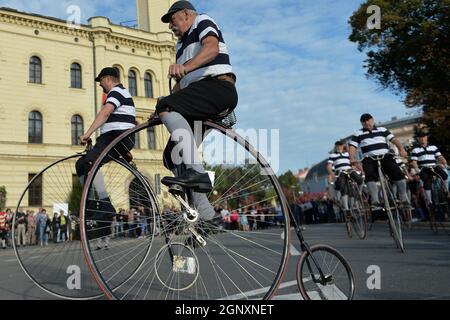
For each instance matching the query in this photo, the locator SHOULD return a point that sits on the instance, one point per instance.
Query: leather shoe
(191, 179)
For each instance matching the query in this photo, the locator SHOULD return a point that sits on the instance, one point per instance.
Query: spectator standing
(21, 228)
(31, 229)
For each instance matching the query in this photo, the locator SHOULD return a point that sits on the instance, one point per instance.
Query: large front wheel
(236, 248)
(358, 209)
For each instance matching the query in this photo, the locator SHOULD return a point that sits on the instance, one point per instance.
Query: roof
(36, 15)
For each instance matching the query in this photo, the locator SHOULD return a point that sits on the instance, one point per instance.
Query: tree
(290, 186)
(3, 194)
(410, 54)
(75, 197)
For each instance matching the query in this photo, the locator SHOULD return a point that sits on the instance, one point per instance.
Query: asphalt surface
(422, 272)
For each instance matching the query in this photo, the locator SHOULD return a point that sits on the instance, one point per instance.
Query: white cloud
(296, 69)
(116, 10)
(298, 72)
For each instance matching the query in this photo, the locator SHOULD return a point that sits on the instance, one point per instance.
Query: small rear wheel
(324, 274)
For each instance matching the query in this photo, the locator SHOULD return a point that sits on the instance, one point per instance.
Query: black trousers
(84, 164)
(341, 182)
(200, 101)
(390, 168)
(426, 175)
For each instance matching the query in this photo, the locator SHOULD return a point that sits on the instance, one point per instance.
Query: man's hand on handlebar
(85, 139)
(177, 71)
(357, 166)
(403, 153)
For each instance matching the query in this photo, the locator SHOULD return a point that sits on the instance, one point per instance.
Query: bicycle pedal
(176, 189)
(200, 240)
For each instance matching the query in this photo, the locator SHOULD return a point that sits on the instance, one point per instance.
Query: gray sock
(201, 203)
(344, 202)
(401, 185)
(204, 208)
(179, 128)
(428, 196)
(99, 185)
(373, 189)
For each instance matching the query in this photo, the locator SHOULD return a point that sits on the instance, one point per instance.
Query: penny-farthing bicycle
(191, 255)
(56, 263)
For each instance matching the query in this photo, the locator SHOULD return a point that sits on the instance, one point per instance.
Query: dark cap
(365, 117)
(339, 143)
(177, 6)
(107, 72)
(422, 134)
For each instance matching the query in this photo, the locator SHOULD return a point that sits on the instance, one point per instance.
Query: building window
(132, 83)
(77, 129)
(151, 138)
(118, 71)
(75, 76)
(138, 195)
(148, 85)
(35, 70)
(137, 140)
(35, 127)
(35, 191)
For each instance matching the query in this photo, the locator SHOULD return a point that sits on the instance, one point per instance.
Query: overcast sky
(297, 71)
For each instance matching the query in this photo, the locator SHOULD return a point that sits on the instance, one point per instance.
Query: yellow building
(47, 71)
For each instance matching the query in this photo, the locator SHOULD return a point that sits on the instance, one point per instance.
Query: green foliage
(410, 54)
(3, 197)
(241, 186)
(290, 186)
(75, 198)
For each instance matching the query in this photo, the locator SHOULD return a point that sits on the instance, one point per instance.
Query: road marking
(331, 292)
(294, 251)
(293, 296)
(258, 291)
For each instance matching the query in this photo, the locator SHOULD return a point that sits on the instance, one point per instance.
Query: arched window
(35, 70)
(148, 85)
(35, 127)
(77, 128)
(151, 138)
(118, 71)
(35, 191)
(132, 83)
(75, 76)
(137, 141)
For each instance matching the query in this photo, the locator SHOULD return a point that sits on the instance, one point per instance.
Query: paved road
(422, 272)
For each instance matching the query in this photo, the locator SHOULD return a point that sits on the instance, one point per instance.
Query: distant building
(49, 97)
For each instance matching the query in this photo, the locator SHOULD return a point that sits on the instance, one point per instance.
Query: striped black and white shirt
(124, 115)
(425, 156)
(340, 161)
(372, 143)
(189, 46)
